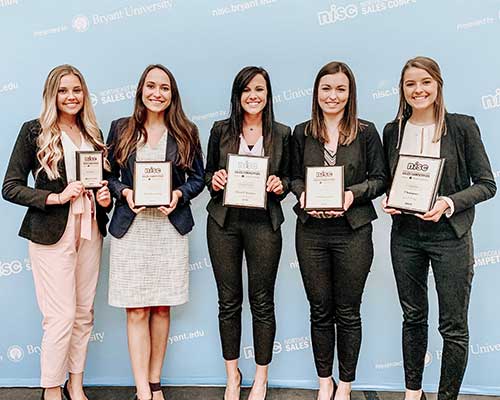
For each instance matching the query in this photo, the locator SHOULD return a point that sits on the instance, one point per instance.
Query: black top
(43, 224)
(466, 160)
(364, 170)
(221, 143)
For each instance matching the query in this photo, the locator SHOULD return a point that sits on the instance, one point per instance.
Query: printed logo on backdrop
(14, 267)
(15, 353)
(485, 258)
(282, 97)
(81, 23)
(186, 336)
(477, 349)
(288, 345)
(399, 364)
(114, 95)
(200, 265)
(476, 23)
(93, 99)
(97, 337)
(7, 3)
(8, 87)
(292, 94)
(490, 101)
(341, 13)
(385, 90)
(240, 6)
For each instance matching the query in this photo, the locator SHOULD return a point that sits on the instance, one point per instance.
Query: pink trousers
(65, 276)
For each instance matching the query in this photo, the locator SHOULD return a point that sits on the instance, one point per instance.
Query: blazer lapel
(171, 151)
(315, 152)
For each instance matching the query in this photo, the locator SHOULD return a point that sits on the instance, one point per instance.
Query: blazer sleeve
(478, 165)
(284, 169)
(114, 183)
(194, 183)
(22, 161)
(213, 155)
(297, 183)
(376, 173)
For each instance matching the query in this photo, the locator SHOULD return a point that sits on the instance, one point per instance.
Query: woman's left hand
(176, 195)
(103, 196)
(274, 185)
(437, 211)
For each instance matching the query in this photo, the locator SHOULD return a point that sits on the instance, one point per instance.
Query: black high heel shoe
(334, 388)
(155, 387)
(241, 381)
(66, 391)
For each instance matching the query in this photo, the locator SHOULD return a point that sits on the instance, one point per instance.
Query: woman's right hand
(219, 179)
(388, 210)
(71, 192)
(129, 196)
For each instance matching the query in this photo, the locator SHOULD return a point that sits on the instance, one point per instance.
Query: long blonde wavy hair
(50, 151)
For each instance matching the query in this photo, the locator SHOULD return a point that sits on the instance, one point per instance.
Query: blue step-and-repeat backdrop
(205, 43)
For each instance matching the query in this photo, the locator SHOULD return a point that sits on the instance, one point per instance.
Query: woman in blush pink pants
(64, 224)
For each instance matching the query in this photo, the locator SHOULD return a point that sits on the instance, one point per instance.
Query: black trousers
(334, 262)
(415, 244)
(250, 232)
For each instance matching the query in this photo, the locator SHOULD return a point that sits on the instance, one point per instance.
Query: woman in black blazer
(65, 258)
(441, 236)
(335, 249)
(250, 130)
(149, 264)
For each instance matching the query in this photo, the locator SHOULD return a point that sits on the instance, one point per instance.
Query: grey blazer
(466, 160)
(364, 170)
(220, 144)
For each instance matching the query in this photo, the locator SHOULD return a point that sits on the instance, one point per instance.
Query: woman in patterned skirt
(149, 248)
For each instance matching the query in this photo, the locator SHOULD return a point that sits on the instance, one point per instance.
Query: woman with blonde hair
(441, 237)
(65, 258)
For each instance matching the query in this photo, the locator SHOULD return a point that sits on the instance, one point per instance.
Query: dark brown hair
(348, 127)
(179, 126)
(240, 82)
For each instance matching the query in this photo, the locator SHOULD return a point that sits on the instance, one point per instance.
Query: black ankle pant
(249, 232)
(415, 243)
(334, 262)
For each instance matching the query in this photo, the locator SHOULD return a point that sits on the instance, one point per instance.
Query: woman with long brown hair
(441, 237)
(335, 248)
(65, 258)
(149, 248)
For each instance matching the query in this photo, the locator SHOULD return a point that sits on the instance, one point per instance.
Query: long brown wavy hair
(179, 126)
(405, 110)
(50, 151)
(349, 125)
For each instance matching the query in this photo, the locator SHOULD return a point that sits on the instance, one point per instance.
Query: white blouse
(69, 150)
(417, 141)
(256, 150)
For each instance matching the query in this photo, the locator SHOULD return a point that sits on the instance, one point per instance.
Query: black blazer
(42, 224)
(221, 143)
(122, 178)
(466, 160)
(364, 170)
